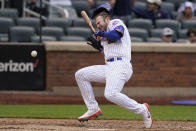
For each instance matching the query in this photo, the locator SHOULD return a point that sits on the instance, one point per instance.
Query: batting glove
(100, 33)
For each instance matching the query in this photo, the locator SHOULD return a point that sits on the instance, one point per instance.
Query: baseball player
(115, 42)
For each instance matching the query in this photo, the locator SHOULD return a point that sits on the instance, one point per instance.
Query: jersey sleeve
(120, 29)
(117, 25)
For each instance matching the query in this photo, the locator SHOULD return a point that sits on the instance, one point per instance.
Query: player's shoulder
(116, 21)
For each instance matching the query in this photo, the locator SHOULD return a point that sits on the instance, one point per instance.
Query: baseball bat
(87, 20)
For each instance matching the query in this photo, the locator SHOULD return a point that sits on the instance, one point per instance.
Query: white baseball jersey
(120, 48)
(114, 73)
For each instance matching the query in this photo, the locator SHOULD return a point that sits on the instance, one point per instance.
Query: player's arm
(112, 35)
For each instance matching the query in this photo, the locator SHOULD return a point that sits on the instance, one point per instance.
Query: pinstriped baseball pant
(114, 74)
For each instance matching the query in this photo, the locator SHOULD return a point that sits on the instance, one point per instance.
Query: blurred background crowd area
(172, 21)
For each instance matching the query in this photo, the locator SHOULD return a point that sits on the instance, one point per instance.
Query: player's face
(101, 23)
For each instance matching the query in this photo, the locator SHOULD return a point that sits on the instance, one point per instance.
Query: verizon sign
(19, 70)
(16, 66)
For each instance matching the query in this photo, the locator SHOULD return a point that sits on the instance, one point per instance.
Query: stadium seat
(21, 33)
(154, 39)
(136, 39)
(44, 38)
(79, 22)
(10, 13)
(72, 38)
(140, 4)
(168, 6)
(5, 24)
(79, 31)
(173, 24)
(182, 34)
(156, 32)
(140, 23)
(80, 5)
(56, 32)
(177, 3)
(189, 24)
(136, 32)
(59, 22)
(174, 14)
(32, 22)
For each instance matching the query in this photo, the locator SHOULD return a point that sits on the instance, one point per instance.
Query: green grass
(173, 113)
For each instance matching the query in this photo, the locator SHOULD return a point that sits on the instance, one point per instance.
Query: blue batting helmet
(103, 7)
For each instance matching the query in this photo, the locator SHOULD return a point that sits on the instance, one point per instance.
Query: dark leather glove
(92, 41)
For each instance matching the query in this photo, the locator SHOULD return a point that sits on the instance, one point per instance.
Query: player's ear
(107, 20)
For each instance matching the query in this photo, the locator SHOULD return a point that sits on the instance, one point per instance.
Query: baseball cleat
(89, 114)
(148, 121)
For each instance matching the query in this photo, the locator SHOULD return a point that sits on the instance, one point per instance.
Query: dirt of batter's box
(7, 124)
(43, 98)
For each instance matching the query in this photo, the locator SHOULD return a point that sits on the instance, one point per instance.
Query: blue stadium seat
(140, 23)
(10, 13)
(136, 32)
(21, 34)
(136, 39)
(56, 32)
(80, 5)
(168, 6)
(79, 31)
(32, 22)
(44, 38)
(79, 22)
(156, 33)
(5, 24)
(59, 22)
(177, 3)
(174, 14)
(173, 24)
(182, 34)
(189, 24)
(140, 4)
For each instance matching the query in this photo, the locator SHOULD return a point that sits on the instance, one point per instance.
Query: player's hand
(100, 33)
(92, 41)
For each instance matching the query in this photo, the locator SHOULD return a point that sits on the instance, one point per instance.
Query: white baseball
(34, 53)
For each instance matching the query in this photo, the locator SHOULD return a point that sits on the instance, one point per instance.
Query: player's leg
(116, 77)
(83, 77)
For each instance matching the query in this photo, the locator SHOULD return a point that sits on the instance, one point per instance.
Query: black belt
(113, 59)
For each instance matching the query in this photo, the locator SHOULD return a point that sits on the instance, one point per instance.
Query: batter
(116, 46)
